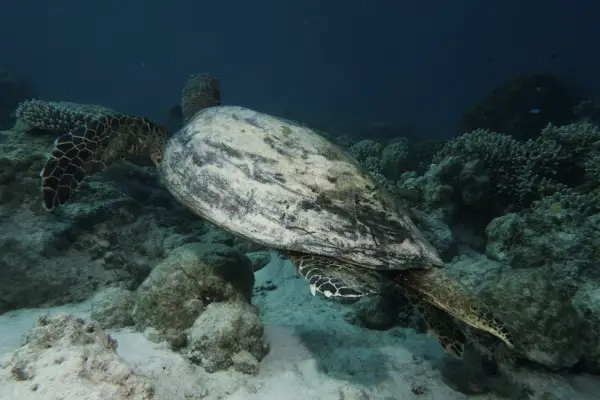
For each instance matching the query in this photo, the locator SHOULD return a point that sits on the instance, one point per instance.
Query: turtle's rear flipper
(436, 287)
(441, 326)
(90, 149)
(336, 280)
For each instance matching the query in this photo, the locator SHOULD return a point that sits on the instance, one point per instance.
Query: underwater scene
(301, 200)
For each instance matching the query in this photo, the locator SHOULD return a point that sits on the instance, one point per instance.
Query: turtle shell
(283, 185)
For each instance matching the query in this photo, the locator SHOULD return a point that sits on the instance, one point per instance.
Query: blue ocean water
(478, 122)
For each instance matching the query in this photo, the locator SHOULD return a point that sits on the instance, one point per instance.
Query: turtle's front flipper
(440, 325)
(435, 287)
(90, 149)
(336, 280)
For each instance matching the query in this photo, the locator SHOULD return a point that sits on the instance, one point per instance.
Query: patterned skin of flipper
(90, 149)
(439, 289)
(440, 325)
(344, 282)
(334, 279)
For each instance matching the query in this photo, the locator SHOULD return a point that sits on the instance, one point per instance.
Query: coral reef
(67, 355)
(532, 208)
(517, 221)
(521, 106)
(388, 163)
(112, 307)
(179, 288)
(197, 300)
(105, 239)
(58, 116)
(121, 225)
(314, 354)
(484, 174)
(227, 334)
(537, 304)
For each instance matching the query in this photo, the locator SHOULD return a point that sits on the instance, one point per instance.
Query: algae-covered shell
(283, 185)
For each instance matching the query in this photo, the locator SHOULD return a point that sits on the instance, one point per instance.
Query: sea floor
(315, 354)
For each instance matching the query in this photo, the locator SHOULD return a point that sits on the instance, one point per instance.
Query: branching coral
(59, 116)
(365, 149)
(501, 155)
(559, 160)
(396, 159)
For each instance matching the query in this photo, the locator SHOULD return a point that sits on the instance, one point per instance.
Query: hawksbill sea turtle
(288, 188)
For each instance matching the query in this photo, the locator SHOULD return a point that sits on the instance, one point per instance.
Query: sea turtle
(283, 185)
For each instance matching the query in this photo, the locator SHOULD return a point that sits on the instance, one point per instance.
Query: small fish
(535, 111)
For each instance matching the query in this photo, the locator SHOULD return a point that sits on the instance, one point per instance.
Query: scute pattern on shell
(285, 186)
